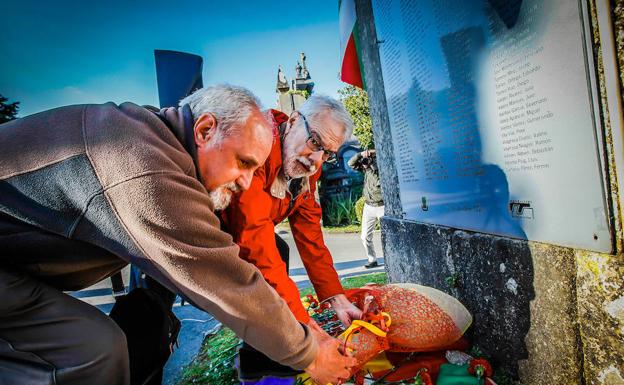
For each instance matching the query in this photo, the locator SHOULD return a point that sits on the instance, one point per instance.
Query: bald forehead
(250, 142)
(264, 129)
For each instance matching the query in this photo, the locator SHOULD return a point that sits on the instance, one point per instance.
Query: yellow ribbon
(378, 363)
(357, 324)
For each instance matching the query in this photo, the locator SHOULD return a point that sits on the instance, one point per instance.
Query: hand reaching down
(345, 310)
(330, 366)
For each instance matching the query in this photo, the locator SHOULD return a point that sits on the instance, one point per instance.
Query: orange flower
(480, 367)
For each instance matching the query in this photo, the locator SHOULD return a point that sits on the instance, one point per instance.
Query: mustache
(307, 163)
(232, 186)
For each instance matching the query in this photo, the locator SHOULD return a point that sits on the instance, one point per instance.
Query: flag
(178, 74)
(351, 56)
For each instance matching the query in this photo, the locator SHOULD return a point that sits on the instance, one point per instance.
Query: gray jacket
(372, 183)
(86, 189)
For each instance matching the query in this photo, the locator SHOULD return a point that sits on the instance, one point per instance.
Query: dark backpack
(151, 330)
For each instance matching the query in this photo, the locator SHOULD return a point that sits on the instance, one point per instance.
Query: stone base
(530, 315)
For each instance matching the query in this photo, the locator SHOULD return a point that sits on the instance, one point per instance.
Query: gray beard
(222, 195)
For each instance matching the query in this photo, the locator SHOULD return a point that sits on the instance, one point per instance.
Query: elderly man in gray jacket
(86, 189)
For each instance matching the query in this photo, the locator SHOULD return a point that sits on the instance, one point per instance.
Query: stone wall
(546, 314)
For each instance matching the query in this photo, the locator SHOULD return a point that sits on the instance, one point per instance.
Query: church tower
(291, 96)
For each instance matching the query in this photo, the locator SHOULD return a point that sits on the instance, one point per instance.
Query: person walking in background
(366, 161)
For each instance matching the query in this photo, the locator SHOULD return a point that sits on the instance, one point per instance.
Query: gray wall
(541, 312)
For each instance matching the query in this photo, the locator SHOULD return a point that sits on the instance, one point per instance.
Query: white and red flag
(351, 60)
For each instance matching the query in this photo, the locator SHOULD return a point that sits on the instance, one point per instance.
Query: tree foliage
(304, 93)
(8, 111)
(355, 101)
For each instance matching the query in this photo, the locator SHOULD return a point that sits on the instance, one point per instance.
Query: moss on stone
(600, 292)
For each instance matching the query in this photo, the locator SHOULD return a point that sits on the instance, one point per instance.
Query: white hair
(230, 104)
(319, 105)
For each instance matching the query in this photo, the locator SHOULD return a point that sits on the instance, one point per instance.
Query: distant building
(290, 95)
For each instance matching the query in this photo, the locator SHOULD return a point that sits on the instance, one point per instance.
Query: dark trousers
(252, 364)
(284, 250)
(144, 365)
(48, 337)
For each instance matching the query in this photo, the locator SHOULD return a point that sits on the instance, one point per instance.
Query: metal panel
(492, 109)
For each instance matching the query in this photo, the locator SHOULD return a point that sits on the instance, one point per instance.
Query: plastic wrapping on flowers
(405, 336)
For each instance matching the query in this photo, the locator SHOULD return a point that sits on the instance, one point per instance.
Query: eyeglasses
(315, 145)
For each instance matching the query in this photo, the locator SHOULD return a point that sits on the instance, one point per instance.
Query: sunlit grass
(214, 365)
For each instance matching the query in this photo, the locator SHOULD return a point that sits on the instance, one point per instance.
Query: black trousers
(252, 364)
(47, 336)
(283, 249)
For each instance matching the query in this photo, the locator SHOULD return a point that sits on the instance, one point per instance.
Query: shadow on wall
(495, 274)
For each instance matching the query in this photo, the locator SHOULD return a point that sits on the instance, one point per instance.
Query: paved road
(349, 259)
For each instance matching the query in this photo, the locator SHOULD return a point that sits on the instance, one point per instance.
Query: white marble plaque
(492, 111)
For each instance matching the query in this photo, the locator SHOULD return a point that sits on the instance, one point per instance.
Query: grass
(340, 210)
(349, 283)
(353, 228)
(214, 365)
(342, 229)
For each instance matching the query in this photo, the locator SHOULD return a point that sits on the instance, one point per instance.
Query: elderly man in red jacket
(283, 188)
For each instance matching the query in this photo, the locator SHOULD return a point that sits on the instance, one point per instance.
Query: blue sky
(68, 52)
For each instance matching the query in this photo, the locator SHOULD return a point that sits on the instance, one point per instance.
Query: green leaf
(356, 103)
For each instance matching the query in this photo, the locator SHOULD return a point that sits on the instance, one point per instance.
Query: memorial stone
(492, 112)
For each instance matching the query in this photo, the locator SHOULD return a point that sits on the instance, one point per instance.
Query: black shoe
(370, 265)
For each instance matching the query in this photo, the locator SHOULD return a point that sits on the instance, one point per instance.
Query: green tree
(8, 111)
(304, 93)
(355, 101)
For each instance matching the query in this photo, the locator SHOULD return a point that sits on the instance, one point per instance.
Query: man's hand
(330, 366)
(345, 310)
(367, 153)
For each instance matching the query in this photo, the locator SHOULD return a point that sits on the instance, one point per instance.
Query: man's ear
(205, 128)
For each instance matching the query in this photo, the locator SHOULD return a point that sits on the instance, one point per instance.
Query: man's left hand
(345, 310)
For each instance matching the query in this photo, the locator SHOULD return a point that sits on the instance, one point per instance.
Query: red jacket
(251, 219)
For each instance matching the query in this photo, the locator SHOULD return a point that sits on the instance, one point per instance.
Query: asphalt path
(349, 259)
